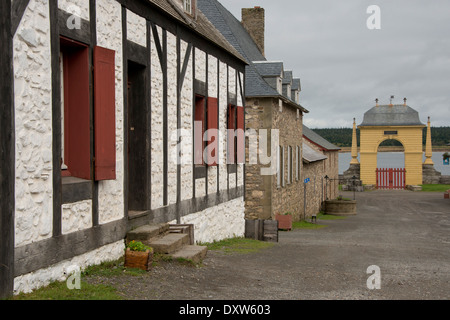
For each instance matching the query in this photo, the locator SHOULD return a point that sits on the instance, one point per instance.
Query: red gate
(391, 178)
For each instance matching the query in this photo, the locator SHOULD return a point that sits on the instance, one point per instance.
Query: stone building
(93, 94)
(272, 106)
(274, 118)
(321, 169)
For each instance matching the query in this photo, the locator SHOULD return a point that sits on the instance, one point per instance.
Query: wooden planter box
(284, 221)
(138, 260)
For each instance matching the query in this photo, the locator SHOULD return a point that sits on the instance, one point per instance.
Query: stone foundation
(353, 170)
(430, 175)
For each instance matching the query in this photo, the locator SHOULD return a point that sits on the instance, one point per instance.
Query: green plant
(446, 156)
(306, 225)
(139, 246)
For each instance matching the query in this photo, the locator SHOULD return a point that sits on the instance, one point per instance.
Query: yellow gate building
(398, 122)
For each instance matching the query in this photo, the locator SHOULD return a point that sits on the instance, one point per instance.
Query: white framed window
(187, 5)
(279, 173)
(289, 165)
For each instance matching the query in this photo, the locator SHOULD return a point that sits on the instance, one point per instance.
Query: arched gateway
(397, 122)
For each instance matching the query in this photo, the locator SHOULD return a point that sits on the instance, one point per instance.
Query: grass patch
(435, 187)
(238, 245)
(112, 269)
(59, 291)
(306, 225)
(323, 216)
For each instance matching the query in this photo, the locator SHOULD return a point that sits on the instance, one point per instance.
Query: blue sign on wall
(446, 162)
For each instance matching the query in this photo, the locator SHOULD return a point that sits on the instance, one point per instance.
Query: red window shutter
(240, 135)
(213, 127)
(104, 114)
(199, 129)
(77, 112)
(231, 154)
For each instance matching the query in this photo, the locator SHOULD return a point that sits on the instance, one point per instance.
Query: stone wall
(220, 222)
(253, 20)
(33, 122)
(59, 271)
(315, 188)
(264, 198)
(258, 187)
(290, 197)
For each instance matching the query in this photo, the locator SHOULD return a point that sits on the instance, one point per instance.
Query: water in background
(394, 160)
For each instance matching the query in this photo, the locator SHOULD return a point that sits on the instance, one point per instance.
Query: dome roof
(391, 115)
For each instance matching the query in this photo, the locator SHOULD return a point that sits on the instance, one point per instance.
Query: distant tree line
(342, 137)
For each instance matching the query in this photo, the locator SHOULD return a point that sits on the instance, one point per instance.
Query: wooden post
(7, 154)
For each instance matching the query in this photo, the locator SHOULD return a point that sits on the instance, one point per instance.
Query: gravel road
(405, 234)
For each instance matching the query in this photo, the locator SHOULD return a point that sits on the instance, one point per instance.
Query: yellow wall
(409, 136)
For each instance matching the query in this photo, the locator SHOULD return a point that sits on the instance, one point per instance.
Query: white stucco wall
(217, 223)
(33, 123)
(58, 272)
(223, 109)
(76, 216)
(200, 65)
(157, 126)
(186, 124)
(109, 35)
(172, 115)
(79, 8)
(136, 29)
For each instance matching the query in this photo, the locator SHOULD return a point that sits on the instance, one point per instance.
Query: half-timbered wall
(64, 220)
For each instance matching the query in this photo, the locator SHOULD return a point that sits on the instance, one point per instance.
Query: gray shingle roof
(319, 140)
(311, 155)
(296, 84)
(235, 33)
(287, 79)
(269, 68)
(391, 115)
(202, 26)
(231, 29)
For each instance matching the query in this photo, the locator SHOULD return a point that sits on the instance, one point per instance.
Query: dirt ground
(406, 234)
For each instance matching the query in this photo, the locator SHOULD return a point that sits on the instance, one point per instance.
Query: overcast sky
(344, 66)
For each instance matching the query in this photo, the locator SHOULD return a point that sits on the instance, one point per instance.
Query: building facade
(321, 169)
(274, 117)
(106, 130)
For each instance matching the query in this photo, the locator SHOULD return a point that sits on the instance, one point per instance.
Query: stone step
(148, 232)
(191, 252)
(169, 243)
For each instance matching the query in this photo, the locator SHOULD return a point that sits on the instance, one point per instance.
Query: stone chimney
(253, 20)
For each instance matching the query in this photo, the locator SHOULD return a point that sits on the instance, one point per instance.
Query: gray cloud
(344, 66)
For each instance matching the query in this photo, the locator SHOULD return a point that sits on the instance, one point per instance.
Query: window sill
(232, 168)
(199, 172)
(75, 190)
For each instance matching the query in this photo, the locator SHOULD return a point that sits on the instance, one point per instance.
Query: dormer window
(187, 4)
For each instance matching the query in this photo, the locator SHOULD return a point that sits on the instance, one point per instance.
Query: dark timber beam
(7, 151)
(18, 8)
